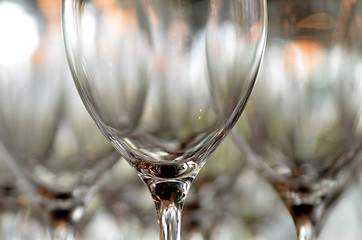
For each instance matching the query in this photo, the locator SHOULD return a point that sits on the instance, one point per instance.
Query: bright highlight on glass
(15, 25)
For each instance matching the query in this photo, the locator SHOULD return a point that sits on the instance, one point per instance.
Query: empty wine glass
(303, 125)
(13, 204)
(50, 140)
(219, 203)
(144, 69)
(128, 203)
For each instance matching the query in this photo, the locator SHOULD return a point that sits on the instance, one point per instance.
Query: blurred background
(237, 202)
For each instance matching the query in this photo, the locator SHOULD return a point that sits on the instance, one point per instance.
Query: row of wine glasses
(48, 139)
(229, 211)
(218, 204)
(216, 209)
(302, 128)
(165, 82)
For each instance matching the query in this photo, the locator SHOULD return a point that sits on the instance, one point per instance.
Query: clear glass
(48, 138)
(144, 70)
(12, 202)
(303, 129)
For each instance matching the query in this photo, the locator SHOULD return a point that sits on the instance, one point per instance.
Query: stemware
(219, 203)
(144, 70)
(50, 141)
(302, 129)
(13, 204)
(128, 203)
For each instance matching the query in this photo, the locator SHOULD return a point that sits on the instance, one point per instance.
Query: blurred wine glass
(144, 69)
(14, 204)
(51, 142)
(128, 203)
(227, 200)
(303, 128)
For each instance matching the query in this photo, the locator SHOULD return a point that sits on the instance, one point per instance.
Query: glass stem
(304, 220)
(62, 231)
(62, 223)
(169, 217)
(305, 229)
(169, 197)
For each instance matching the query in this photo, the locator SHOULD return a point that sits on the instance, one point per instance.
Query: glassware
(13, 204)
(303, 129)
(50, 141)
(144, 69)
(128, 203)
(226, 200)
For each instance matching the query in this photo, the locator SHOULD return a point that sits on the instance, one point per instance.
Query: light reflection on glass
(15, 26)
(304, 57)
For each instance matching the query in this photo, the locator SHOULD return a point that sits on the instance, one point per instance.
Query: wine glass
(13, 204)
(218, 206)
(144, 69)
(128, 204)
(302, 128)
(49, 139)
